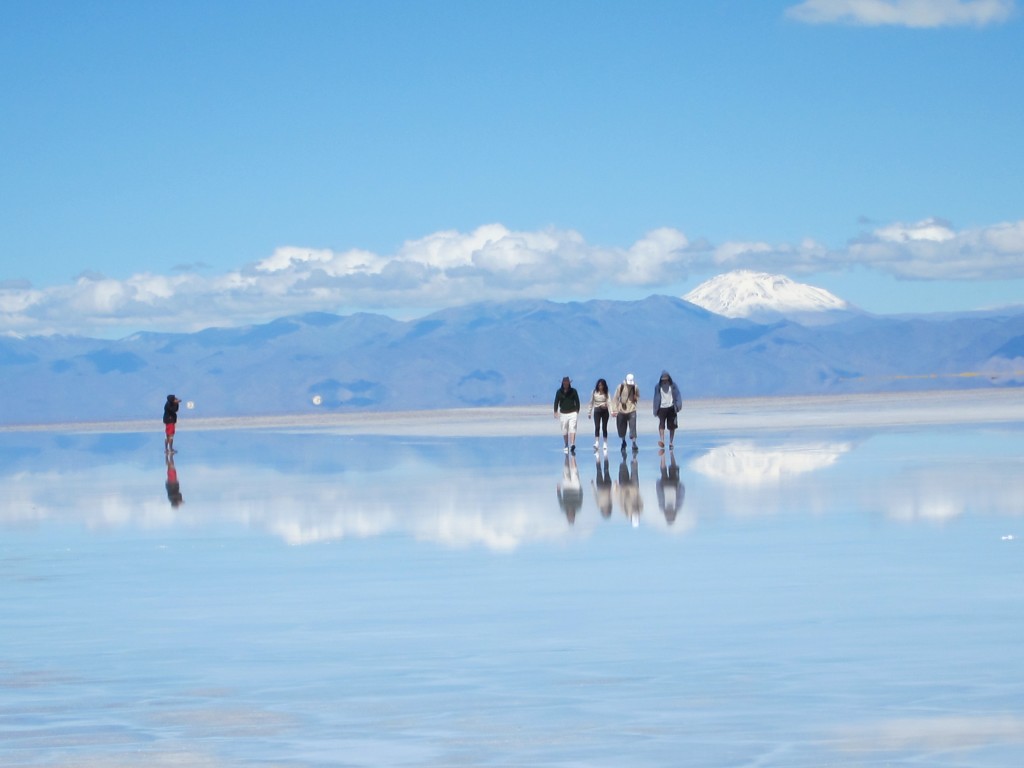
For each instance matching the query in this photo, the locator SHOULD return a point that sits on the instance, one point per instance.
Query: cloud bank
(490, 263)
(919, 14)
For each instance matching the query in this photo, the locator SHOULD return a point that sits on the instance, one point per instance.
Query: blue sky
(170, 166)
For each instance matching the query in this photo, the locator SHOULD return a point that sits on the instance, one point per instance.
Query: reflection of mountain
(743, 463)
(494, 493)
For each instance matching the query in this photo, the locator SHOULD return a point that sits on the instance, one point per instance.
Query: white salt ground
(720, 415)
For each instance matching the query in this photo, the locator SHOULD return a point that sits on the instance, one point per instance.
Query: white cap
(629, 378)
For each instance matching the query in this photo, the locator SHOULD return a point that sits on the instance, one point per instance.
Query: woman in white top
(598, 411)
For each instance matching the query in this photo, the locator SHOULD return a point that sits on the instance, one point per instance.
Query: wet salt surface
(817, 596)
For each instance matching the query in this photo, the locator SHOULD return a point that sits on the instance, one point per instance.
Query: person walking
(598, 411)
(170, 422)
(667, 403)
(623, 408)
(567, 409)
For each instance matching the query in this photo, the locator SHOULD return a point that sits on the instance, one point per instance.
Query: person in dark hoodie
(667, 403)
(567, 409)
(170, 421)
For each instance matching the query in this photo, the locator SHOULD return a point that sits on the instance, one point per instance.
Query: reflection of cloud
(747, 464)
(448, 499)
(457, 510)
(934, 733)
(938, 494)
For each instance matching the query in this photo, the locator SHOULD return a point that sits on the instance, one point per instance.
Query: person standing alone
(170, 422)
(567, 409)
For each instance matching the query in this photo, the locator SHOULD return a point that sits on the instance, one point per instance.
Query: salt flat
(802, 582)
(726, 415)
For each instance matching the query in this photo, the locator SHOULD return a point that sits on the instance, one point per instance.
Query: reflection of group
(625, 490)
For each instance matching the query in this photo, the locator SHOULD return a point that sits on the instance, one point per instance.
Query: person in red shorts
(170, 420)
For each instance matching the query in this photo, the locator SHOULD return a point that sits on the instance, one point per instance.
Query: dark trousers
(624, 421)
(601, 422)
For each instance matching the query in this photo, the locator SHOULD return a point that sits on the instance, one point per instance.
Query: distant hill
(510, 353)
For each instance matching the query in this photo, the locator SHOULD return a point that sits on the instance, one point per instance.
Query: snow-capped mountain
(759, 295)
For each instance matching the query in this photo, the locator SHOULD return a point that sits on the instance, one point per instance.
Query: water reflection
(602, 485)
(492, 492)
(855, 630)
(630, 501)
(570, 490)
(748, 463)
(172, 485)
(671, 491)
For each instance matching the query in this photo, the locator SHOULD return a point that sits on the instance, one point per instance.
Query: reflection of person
(671, 491)
(570, 491)
(172, 485)
(629, 491)
(598, 410)
(170, 422)
(667, 403)
(602, 487)
(567, 409)
(624, 409)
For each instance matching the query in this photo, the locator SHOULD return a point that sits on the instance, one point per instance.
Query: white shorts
(568, 422)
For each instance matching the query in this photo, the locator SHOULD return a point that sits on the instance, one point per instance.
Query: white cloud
(490, 263)
(929, 230)
(903, 13)
(654, 258)
(929, 250)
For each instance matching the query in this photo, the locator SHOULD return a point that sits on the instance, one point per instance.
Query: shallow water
(826, 597)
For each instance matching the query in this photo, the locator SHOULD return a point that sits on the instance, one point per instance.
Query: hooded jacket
(677, 399)
(171, 410)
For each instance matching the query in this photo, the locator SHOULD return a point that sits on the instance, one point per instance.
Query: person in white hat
(623, 407)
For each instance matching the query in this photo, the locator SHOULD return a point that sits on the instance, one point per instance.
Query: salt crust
(725, 415)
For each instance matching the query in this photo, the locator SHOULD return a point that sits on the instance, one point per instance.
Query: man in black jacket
(170, 420)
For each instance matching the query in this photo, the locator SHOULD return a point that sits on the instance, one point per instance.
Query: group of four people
(621, 406)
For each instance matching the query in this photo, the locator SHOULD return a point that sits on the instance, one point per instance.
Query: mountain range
(511, 353)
